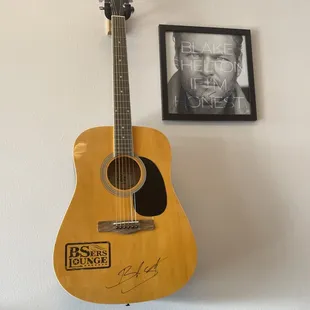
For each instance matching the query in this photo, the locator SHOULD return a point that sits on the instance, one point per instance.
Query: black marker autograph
(126, 274)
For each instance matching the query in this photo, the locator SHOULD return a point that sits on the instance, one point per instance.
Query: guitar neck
(123, 142)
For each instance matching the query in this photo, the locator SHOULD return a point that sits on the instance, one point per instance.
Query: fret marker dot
(115, 110)
(122, 127)
(123, 137)
(120, 76)
(121, 91)
(128, 111)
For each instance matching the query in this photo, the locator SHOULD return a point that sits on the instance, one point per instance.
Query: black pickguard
(151, 199)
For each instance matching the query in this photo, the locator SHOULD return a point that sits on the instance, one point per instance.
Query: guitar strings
(128, 143)
(124, 98)
(124, 164)
(123, 119)
(131, 145)
(120, 123)
(117, 158)
(113, 8)
(116, 172)
(130, 162)
(119, 116)
(114, 107)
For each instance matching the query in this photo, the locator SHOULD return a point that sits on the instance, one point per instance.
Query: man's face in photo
(209, 64)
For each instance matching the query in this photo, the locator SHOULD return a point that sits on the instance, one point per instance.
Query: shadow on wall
(237, 215)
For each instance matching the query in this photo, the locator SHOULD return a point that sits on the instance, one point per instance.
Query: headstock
(116, 7)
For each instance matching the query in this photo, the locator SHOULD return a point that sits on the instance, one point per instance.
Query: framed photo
(206, 74)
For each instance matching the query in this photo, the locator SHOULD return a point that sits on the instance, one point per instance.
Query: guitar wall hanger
(106, 5)
(128, 9)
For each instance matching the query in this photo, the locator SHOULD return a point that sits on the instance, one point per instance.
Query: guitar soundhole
(124, 172)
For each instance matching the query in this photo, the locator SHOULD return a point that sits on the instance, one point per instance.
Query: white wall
(245, 187)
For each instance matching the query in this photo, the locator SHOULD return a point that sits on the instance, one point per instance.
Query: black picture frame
(249, 98)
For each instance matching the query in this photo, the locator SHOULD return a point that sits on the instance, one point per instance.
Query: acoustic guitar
(125, 237)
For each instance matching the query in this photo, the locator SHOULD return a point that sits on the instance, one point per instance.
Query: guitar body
(111, 267)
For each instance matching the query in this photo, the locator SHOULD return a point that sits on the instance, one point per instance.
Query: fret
(120, 150)
(129, 142)
(119, 136)
(123, 150)
(124, 142)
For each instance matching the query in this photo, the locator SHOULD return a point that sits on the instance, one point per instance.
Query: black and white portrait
(206, 73)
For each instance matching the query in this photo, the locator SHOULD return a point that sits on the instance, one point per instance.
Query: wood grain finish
(144, 266)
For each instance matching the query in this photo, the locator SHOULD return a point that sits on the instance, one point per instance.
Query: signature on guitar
(144, 273)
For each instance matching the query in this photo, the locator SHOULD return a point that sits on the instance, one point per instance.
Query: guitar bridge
(125, 227)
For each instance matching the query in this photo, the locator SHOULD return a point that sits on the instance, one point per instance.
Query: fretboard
(122, 112)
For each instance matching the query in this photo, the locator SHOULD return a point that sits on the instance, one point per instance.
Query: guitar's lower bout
(110, 267)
